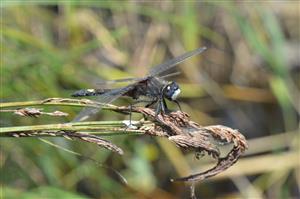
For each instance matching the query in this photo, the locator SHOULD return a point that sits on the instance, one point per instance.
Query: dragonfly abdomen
(89, 92)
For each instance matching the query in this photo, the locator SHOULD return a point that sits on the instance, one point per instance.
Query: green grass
(50, 49)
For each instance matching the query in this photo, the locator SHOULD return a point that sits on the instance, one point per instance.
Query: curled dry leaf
(101, 142)
(178, 128)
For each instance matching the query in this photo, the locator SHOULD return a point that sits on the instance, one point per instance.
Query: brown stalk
(178, 128)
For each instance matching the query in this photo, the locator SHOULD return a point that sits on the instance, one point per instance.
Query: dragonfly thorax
(171, 91)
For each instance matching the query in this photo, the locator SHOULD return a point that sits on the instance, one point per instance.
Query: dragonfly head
(171, 91)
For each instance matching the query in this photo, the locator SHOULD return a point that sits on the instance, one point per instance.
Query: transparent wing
(104, 83)
(133, 79)
(170, 75)
(106, 98)
(107, 82)
(158, 69)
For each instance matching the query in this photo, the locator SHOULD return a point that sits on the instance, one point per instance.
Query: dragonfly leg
(178, 105)
(165, 107)
(150, 103)
(161, 107)
(158, 108)
(130, 117)
(130, 114)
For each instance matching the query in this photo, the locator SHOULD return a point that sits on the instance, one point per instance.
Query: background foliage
(247, 79)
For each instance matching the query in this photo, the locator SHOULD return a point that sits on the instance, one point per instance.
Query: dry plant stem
(176, 126)
(66, 134)
(187, 134)
(58, 102)
(67, 127)
(34, 112)
(85, 131)
(69, 130)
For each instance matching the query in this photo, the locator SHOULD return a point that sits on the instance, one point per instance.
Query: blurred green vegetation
(247, 79)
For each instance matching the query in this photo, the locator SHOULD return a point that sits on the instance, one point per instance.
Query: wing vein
(158, 69)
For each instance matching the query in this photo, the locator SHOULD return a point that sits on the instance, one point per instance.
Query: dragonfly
(153, 87)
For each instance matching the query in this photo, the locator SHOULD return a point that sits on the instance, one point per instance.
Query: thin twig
(96, 127)
(34, 112)
(58, 102)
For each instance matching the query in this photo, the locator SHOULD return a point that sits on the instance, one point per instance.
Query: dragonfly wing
(170, 75)
(158, 69)
(105, 98)
(108, 82)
